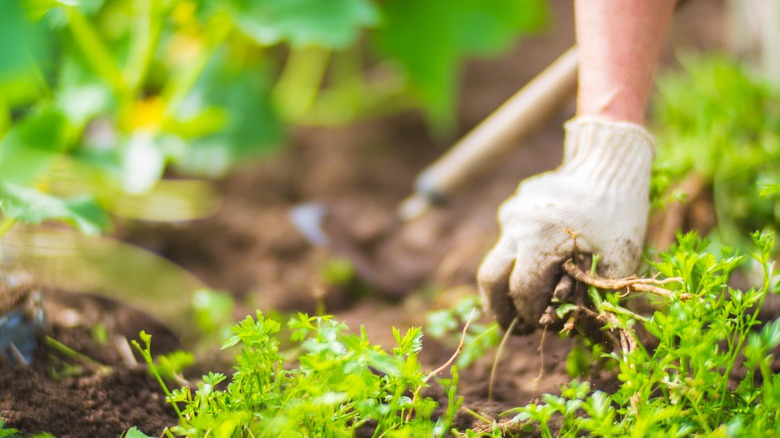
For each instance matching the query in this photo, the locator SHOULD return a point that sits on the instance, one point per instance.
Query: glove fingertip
(532, 289)
(493, 280)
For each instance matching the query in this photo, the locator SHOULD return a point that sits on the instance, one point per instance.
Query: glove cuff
(615, 155)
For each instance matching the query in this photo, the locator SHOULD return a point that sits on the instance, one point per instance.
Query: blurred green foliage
(99, 97)
(213, 314)
(432, 38)
(721, 123)
(447, 325)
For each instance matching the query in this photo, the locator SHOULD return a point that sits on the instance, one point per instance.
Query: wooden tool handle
(498, 134)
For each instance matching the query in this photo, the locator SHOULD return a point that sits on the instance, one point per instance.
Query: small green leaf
(213, 311)
(565, 309)
(34, 207)
(133, 432)
(25, 46)
(769, 190)
(29, 148)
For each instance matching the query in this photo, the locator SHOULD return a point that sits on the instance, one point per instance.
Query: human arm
(600, 191)
(619, 42)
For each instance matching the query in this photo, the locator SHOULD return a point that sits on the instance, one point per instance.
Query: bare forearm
(619, 42)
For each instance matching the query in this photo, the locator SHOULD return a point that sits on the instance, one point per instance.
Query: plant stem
(182, 81)
(145, 36)
(299, 83)
(95, 50)
(73, 354)
(497, 358)
(742, 332)
(476, 415)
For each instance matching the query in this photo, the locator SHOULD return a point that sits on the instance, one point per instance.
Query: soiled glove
(599, 194)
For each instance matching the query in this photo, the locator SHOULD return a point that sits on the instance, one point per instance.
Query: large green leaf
(248, 125)
(25, 49)
(329, 23)
(431, 39)
(31, 206)
(29, 148)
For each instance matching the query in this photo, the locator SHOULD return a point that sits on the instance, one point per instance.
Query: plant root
(630, 284)
(589, 321)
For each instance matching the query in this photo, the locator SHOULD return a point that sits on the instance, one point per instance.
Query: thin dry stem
(125, 352)
(449, 362)
(507, 428)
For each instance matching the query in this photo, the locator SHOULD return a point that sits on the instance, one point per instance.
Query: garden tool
(62, 259)
(485, 145)
(478, 151)
(21, 318)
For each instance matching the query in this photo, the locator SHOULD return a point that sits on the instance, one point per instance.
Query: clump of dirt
(90, 405)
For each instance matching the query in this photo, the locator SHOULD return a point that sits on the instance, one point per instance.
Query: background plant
(99, 97)
(720, 124)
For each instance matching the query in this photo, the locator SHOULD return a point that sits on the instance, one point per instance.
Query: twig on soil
(125, 352)
(449, 362)
(506, 428)
(631, 284)
(497, 357)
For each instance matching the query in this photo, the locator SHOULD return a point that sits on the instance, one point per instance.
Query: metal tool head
(22, 318)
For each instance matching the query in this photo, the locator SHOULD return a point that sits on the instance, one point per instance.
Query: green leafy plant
(99, 98)
(707, 370)
(339, 383)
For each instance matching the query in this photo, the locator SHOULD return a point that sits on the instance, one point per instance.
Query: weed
(708, 371)
(341, 383)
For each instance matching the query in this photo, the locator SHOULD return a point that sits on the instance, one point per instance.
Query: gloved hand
(599, 194)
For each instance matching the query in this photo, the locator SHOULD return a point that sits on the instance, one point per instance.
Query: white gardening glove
(599, 194)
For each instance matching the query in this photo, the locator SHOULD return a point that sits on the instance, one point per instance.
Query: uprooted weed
(708, 370)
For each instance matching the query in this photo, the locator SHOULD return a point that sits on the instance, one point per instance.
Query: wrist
(614, 155)
(617, 106)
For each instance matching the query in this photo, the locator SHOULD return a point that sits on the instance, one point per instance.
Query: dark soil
(74, 397)
(361, 173)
